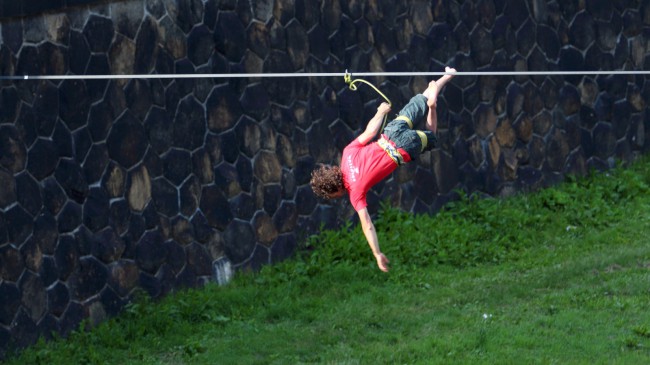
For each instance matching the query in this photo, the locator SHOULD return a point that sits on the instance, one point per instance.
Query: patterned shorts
(400, 130)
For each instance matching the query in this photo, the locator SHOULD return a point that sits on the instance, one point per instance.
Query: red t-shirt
(363, 166)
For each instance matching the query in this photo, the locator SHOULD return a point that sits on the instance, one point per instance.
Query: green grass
(557, 277)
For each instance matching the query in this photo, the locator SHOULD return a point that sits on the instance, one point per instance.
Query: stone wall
(108, 186)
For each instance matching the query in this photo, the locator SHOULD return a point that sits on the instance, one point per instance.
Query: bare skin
(431, 93)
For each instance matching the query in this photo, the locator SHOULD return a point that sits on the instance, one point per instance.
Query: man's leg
(431, 92)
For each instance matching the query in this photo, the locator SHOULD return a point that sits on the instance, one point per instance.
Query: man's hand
(382, 262)
(383, 108)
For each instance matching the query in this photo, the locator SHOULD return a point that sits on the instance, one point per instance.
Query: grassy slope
(556, 277)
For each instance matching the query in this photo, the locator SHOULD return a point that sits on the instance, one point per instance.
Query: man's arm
(374, 124)
(371, 236)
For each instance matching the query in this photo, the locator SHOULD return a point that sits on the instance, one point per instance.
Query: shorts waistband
(390, 150)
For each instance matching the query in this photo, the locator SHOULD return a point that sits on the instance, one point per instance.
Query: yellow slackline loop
(351, 84)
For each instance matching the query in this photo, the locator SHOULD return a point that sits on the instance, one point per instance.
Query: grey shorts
(400, 131)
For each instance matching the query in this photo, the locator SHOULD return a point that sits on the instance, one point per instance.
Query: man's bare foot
(445, 78)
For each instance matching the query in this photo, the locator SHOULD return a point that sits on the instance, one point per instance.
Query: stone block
(95, 163)
(570, 100)
(530, 178)
(526, 37)
(482, 46)
(98, 65)
(557, 150)
(243, 206)
(245, 173)
(576, 163)
(119, 215)
(604, 107)
(71, 318)
(139, 97)
(548, 41)
(66, 256)
(223, 109)
(198, 258)
(70, 217)
(96, 209)
(182, 231)
(13, 153)
(607, 33)
(23, 329)
(189, 125)
(632, 23)
(99, 33)
(305, 200)
(239, 241)
(13, 263)
(259, 39)
(215, 206)
(266, 167)
(187, 13)
(3, 229)
(285, 217)
(48, 271)
(623, 118)
(523, 127)
(445, 171)
(230, 36)
(177, 166)
(115, 181)
(32, 254)
(283, 248)
(201, 228)
(111, 303)
(486, 120)
(600, 9)
(21, 224)
(53, 195)
(74, 103)
(10, 302)
(146, 49)
(12, 35)
(52, 59)
(271, 195)
(26, 122)
(249, 136)
(127, 17)
(227, 179)
(261, 256)
(165, 196)
(8, 193)
(123, 277)
(33, 295)
(62, 138)
(265, 230)
(571, 59)
(10, 102)
(151, 251)
(126, 141)
(108, 246)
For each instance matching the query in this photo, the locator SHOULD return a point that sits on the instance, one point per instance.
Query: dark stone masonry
(113, 186)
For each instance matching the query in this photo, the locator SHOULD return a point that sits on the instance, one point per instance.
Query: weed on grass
(557, 276)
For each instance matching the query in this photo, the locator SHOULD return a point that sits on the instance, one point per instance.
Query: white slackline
(319, 74)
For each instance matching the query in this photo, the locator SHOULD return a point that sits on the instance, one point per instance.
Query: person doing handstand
(365, 163)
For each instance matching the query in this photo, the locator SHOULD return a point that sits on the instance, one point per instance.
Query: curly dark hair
(326, 180)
